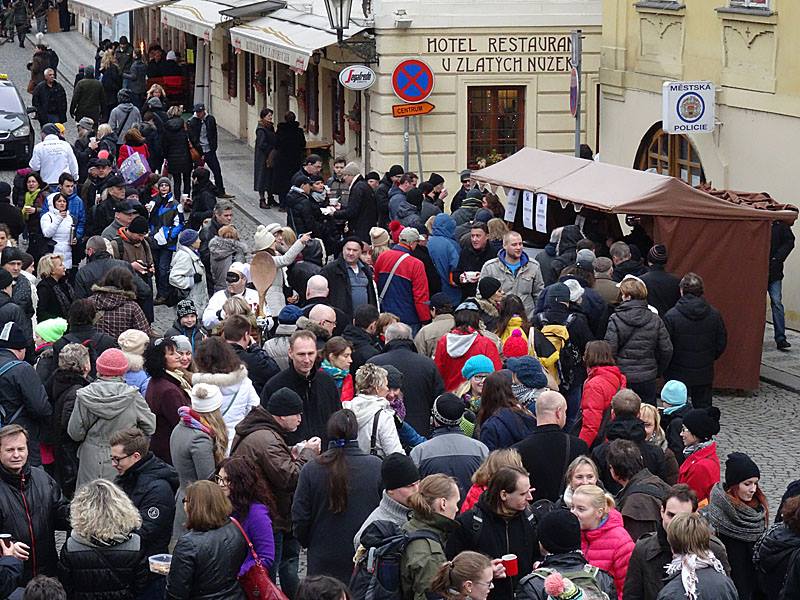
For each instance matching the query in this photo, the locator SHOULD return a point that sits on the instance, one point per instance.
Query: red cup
(510, 563)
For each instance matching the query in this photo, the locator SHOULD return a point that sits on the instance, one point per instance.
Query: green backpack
(585, 579)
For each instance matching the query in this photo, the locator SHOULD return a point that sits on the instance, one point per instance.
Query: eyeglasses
(479, 377)
(115, 460)
(221, 481)
(489, 585)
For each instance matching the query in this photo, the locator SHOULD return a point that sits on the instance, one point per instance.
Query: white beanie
(264, 238)
(575, 290)
(133, 341)
(206, 397)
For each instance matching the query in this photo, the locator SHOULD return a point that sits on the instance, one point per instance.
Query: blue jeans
(287, 562)
(774, 290)
(163, 259)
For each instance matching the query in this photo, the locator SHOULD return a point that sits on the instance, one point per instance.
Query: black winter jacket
(10, 311)
(382, 200)
(21, 387)
(205, 565)
(566, 249)
(495, 537)
(175, 146)
(96, 341)
(532, 587)
(151, 485)
(291, 143)
(361, 212)
(422, 382)
(31, 503)
(50, 101)
(195, 125)
(781, 245)
(364, 346)
(96, 267)
(663, 289)
(204, 199)
(340, 295)
(472, 260)
(320, 400)
(629, 267)
(62, 388)
(89, 571)
(639, 341)
(55, 298)
(698, 339)
(305, 214)
(260, 365)
(771, 557)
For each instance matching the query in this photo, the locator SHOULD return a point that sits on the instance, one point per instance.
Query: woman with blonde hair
(433, 509)
(111, 79)
(175, 148)
(156, 91)
(377, 433)
(54, 289)
(639, 339)
(103, 557)
(497, 229)
(581, 471)
(207, 559)
(284, 247)
(467, 577)
(604, 541)
(651, 417)
(497, 459)
(197, 445)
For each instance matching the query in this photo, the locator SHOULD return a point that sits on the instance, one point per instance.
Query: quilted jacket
(609, 547)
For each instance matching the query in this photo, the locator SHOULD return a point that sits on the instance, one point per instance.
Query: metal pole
(419, 152)
(405, 144)
(365, 133)
(577, 50)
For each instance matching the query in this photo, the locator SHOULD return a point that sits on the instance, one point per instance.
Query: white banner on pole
(527, 209)
(541, 213)
(512, 197)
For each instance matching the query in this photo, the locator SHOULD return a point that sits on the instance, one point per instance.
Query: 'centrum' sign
(501, 53)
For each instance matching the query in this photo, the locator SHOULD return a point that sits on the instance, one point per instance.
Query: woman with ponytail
(336, 492)
(434, 507)
(198, 444)
(468, 576)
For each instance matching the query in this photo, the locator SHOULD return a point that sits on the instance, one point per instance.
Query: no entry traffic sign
(412, 80)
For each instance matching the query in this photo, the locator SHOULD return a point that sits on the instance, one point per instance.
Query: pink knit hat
(112, 363)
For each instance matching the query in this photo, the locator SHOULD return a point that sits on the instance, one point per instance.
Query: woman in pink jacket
(604, 541)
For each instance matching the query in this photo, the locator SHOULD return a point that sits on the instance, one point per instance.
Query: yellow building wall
(751, 58)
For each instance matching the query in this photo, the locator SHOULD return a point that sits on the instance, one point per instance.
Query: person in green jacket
(434, 507)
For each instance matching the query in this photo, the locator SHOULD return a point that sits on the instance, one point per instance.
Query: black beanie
(488, 287)
(285, 402)
(703, 423)
(559, 532)
(435, 179)
(394, 378)
(738, 468)
(448, 409)
(398, 471)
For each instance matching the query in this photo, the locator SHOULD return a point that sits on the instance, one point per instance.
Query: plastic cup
(159, 563)
(511, 565)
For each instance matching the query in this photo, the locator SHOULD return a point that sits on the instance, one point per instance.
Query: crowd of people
(412, 385)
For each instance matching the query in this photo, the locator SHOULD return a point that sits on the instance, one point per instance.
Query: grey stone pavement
(763, 424)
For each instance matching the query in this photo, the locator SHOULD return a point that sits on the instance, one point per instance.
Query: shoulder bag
(256, 582)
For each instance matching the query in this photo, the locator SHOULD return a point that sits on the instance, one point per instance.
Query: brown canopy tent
(725, 243)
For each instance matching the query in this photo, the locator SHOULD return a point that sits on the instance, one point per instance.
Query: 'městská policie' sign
(501, 53)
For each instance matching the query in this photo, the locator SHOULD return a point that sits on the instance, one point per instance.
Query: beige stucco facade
(750, 55)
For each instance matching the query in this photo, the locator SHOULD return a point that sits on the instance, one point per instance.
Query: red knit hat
(515, 345)
(112, 363)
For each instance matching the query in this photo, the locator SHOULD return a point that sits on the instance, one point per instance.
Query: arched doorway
(668, 154)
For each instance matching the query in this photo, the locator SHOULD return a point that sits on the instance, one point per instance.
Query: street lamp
(339, 15)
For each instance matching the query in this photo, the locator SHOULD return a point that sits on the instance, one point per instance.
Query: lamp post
(339, 18)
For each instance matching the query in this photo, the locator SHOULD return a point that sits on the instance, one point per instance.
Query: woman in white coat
(217, 364)
(377, 432)
(187, 271)
(265, 241)
(57, 226)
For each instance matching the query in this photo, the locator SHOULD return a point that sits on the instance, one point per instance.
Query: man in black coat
(624, 263)
(390, 180)
(422, 382)
(151, 484)
(350, 281)
(548, 451)
(662, 286)
(361, 334)
(98, 263)
(361, 212)
(50, 100)
(781, 245)
(304, 215)
(31, 504)
(203, 136)
(473, 256)
(260, 365)
(315, 387)
(203, 199)
(698, 339)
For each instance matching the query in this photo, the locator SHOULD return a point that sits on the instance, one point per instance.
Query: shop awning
(198, 17)
(105, 11)
(288, 36)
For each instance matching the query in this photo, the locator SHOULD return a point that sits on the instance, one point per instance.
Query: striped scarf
(194, 420)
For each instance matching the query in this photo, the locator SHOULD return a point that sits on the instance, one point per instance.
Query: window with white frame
(750, 3)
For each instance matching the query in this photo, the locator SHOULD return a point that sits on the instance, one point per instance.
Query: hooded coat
(374, 414)
(566, 251)
(422, 558)
(466, 212)
(445, 253)
(455, 348)
(600, 386)
(291, 142)
(639, 340)
(771, 557)
(88, 100)
(506, 427)
(102, 408)
(698, 337)
(609, 547)
(123, 117)
(119, 311)
(185, 265)
(175, 146)
(224, 252)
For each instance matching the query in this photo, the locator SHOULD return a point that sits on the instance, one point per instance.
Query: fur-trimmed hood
(221, 380)
(135, 362)
(315, 328)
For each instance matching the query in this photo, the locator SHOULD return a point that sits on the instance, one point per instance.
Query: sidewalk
(781, 368)
(235, 157)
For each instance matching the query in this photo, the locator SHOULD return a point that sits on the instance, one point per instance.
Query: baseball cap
(125, 206)
(115, 181)
(300, 179)
(409, 235)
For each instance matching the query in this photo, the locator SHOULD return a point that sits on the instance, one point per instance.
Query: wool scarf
(735, 519)
(687, 565)
(335, 372)
(692, 448)
(193, 420)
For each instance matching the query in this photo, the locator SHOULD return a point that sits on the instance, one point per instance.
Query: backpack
(584, 579)
(3, 370)
(376, 573)
(533, 513)
(565, 358)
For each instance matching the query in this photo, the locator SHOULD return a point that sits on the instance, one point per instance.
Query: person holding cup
(502, 526)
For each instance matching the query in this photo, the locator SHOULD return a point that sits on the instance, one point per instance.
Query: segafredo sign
(357, 77)
(688, 106)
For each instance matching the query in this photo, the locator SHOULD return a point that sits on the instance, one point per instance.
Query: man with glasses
(151, 484)
(317, 293)
(236, 285)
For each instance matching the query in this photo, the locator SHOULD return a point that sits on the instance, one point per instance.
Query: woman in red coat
(134, 142)
(463, 342)
(603, 380)
(337, 358)
(700, 468)
(604, 541)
